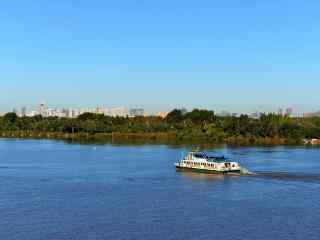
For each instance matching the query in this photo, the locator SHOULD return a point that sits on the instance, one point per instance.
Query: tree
(175, 116)
(10, 117)
(199, 116)
(87, 116)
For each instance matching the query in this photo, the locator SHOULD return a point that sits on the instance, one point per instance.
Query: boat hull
(203, 170)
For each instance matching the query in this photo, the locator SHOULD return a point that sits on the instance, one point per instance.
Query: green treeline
(195, 126)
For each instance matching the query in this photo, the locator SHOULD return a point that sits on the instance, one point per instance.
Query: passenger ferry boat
(200, 162)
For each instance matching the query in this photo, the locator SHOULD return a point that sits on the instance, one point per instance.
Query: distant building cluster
(311, 114)
(162, 114)
(227, 114)
(287, 112)
(257, 114)
(137, 112)
(46, 111)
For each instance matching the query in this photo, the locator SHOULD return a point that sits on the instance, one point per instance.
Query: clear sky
(236, 55)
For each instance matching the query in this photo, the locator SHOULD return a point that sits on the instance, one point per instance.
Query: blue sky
(235, 55)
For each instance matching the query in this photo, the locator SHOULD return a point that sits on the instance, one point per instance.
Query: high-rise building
(280, 112)
(99, 110)
(255, 115)
(33, 113)
(69, 113)
(289, 112)
(75, 113)
(43, 109)
(119, 112)
(23, 111)
(64, 113)
(51, 112)
(184, 111)
(107, 112)
(136, 112)
(224, 114)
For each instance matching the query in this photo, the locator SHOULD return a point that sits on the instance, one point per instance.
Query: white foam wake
(245, 171)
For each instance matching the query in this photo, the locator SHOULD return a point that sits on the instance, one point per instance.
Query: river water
(54, 190)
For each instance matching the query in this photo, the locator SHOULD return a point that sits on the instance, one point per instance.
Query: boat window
(217, 159)
(200, 155)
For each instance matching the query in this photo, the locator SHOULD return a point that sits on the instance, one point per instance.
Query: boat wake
(284, 176)
(245, 171)
(288, 176)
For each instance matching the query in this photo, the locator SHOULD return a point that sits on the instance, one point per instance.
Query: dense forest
(178, 126)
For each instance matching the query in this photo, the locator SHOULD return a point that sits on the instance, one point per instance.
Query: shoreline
(147, 138)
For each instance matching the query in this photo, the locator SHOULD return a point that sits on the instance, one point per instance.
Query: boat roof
(208, 157)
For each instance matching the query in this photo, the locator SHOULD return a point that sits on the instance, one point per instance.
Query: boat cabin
(196, 156)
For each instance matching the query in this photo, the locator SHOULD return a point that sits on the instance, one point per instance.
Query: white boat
(201, 162)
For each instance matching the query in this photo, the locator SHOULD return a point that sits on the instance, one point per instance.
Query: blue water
(53, 190)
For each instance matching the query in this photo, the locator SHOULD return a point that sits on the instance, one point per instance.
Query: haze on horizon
(236, 55)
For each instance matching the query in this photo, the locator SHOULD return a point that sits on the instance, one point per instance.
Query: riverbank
(198, 126)
(159, 137)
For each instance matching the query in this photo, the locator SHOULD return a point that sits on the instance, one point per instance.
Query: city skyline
(45, 109)
(233, 56)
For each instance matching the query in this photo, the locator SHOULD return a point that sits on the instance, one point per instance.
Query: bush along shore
(197, 126)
